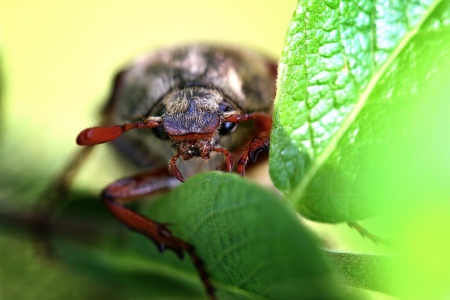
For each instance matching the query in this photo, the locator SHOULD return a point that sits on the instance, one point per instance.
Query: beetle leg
(173, 168)
(144, 184)
(364, 233)
(263, 121)
(128, 189)
(50, 200)
(259, 143)
(57, 190)
(228, 157)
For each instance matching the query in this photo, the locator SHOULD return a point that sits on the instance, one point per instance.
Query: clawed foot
(364, 233)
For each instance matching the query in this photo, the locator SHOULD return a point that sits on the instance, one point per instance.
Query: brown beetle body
(192, 99)
(172, 80)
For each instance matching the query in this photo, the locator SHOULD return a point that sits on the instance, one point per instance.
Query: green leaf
(253, 246)
(343, 78)
(365, 271)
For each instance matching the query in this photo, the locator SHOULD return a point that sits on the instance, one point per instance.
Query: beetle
(191, 104)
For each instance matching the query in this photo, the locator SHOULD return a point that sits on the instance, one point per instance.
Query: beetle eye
(160, 133)
(227, 127)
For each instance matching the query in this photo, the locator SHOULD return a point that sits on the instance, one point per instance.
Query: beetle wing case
(245, 78)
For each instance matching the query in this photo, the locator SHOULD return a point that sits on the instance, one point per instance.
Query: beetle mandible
(192, 98)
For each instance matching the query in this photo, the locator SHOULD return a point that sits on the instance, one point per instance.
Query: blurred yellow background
(58, 57)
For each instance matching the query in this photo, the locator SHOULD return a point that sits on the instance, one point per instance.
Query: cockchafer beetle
(192, 98)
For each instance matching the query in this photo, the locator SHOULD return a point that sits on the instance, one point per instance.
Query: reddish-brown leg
(261, 141)
(144, 184)
(173, 168)
(228, 157)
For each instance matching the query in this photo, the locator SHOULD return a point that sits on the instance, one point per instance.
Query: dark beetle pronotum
(193, 98)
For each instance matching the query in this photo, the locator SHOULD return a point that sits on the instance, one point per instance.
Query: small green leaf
(252, 244)
(344, 75)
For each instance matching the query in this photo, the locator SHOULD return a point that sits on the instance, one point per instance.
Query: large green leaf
(252, 244)
(348, 76)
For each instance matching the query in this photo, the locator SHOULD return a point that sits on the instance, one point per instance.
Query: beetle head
(192, 119)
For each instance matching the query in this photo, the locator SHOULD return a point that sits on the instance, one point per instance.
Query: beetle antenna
(103, 134)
